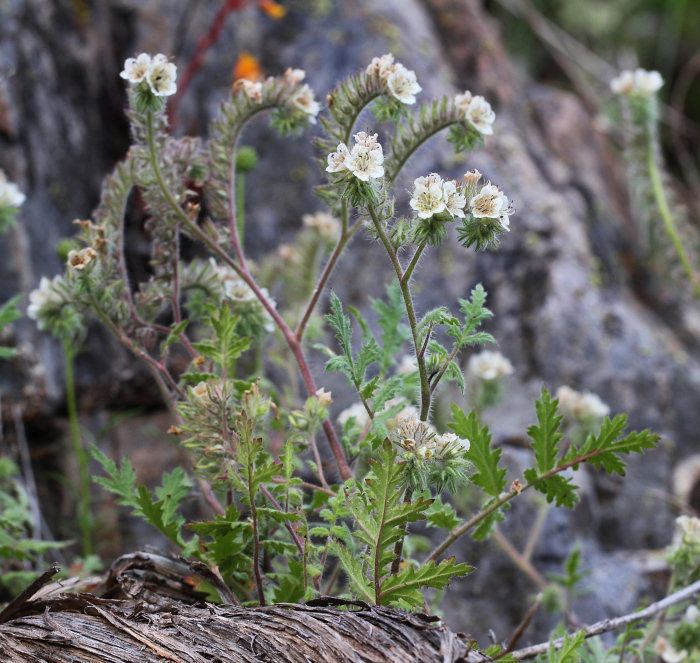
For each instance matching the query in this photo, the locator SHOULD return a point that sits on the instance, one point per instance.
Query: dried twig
(16, 605)
(614, 623)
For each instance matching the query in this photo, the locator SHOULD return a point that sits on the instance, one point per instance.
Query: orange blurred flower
(272, 9)
(247, 66)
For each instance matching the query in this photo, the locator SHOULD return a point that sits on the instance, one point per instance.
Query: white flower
(357, 412)
(462, 101)
(638, 82)
(403, 85)
(10, 193)
(323, 224)
(410, 433)
(489, 365)
(579, 406)
(453, 444)
(427, 198)
(623, 83)
(471, 179)
(303, 99)
(491, 203)
(294, 76)
(646, 82)
(47, 296)
(252, 89)
(667, 652)
(381, 67)
(161, 76)
(337, 161)
(324, 397)
(407, 366)
(480, 115)
(688, 527)
(692, 614)
(454, 198)
(135, 69)
(408, 411)
(365, 160)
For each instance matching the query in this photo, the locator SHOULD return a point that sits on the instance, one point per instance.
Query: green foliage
(226, 345)
(17, 546)
(569, 651)
(8, 314)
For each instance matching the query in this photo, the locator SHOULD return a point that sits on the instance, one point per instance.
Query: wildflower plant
(303, 504)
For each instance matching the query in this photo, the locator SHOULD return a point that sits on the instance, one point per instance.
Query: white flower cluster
(489, 365)
(477, 111)
(433, 195)
(325, 225)
(48, 297)
(491, 203)
(688, 530)
(420, 439)
(302, 97)
(358, 412)
(365, 161)
(157, 72)
(401, 83)
(639, 82)
(10, 194)
(581, 406)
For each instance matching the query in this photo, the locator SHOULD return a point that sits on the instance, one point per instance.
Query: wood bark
(146, 610)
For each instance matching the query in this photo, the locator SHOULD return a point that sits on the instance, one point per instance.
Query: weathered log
(133, 616)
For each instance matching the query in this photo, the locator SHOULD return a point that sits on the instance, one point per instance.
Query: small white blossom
(323, 224)
(454, 198)
(10, 193)
(638, 82)
(337, 161)
(252, 89)
(428, 198)
(403, 84)
(667, 652)
(578, 406)
(365, 160)
(688, 529)
(480, 115)
(411, 434)
(135, 69)
(382, 66)
(647, 82)
(46, 297)
(161, 76)
(471, 179)
(462, 101)
(303, 100)
(452, 444)
(491, 203)
(692, 614)
(357, 412)
(623, 83)
(489, 365)
(294, 76)
(325, 398)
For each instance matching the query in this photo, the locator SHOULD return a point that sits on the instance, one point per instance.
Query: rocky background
(573, 301)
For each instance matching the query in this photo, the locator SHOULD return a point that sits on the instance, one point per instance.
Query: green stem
(79, 453)
(240, 206)
(410, 312)
(669, 222)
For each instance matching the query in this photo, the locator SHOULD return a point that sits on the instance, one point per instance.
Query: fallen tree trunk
(146, 610)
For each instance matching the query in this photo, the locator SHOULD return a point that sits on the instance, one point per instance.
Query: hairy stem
(398, 546)
(669, 222)
(410, 312)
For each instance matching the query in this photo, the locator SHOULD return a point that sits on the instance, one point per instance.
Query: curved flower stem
(414, 261)
(669, 221)
(410, 312)
(323, 279)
